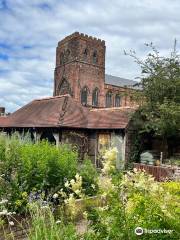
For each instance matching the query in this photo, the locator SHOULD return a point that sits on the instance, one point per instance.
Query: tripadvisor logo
(138, 231)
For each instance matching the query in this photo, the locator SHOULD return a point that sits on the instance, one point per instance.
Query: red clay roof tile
(64, 111)
(3, 120)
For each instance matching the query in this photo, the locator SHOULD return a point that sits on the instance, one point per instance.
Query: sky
(31, 29)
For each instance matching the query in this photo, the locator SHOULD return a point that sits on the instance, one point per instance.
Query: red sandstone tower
(80, 69)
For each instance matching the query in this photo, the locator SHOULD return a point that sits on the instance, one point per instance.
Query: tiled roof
(121, 82)
(3, 120)
(64, 111)
(109, 118)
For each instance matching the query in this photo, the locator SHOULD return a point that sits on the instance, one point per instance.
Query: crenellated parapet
(81, 36)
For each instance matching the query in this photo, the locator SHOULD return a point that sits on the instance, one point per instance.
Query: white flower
(72, 181)
(58, 221)
(45, 207)
(77, 176)
(11, 223)
(77, 191)
(9, 213)
(66, 184)
(3, 201)
(55, 196)
(4, 212)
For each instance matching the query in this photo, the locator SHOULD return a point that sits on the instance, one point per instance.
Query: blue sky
(30, 30)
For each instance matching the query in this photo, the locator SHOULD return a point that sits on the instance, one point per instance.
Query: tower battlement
(80, 67)
(81, 36)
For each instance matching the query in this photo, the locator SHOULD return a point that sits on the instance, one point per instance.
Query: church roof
(64, 111)
(121, 82)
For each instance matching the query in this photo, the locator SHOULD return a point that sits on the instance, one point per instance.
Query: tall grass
(46, 227)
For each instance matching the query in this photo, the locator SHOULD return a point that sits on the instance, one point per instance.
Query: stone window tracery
(95, 96)
(84, 95)
(108, 99)
(117, 100)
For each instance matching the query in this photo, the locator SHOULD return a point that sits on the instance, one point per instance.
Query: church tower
(80, 69)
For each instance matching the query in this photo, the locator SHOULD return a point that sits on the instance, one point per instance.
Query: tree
(159, 97)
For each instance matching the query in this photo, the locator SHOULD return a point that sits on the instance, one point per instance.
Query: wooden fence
(160, 173)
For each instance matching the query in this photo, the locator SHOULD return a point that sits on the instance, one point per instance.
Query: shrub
(135, 200)
(33, 167)
(89, 177)
(45, 166)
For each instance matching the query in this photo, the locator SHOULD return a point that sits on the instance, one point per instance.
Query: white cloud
(30, 31)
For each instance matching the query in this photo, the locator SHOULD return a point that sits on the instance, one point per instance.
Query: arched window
(64, 87)
(68, 54)
(61, 58)
(84, 95)
(85, 54)
(109, 99)
(95, 57)
(95, 97)
(117, 101)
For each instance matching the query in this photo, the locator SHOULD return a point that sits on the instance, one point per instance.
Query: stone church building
(89, 108)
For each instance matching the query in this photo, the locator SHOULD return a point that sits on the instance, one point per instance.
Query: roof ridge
(52, 97)
(112, 108)
(120, 77)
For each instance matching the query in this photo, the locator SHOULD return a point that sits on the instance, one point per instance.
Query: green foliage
(45, 166)
(89, 176)
(159, 100)
(172, 188)
(27, 167)
(45, 226)
(137, 201)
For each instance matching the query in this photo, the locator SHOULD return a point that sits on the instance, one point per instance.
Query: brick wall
(81, 71)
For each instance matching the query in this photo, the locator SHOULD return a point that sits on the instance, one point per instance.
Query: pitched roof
(121, 82)
(3, 120)
(49, 112)
(64, 111)
(109, 118)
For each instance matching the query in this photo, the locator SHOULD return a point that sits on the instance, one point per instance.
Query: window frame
(85, 54)
(84, 90)
(117, 98)
(95, 57)
(95, 97)
(110, 96)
